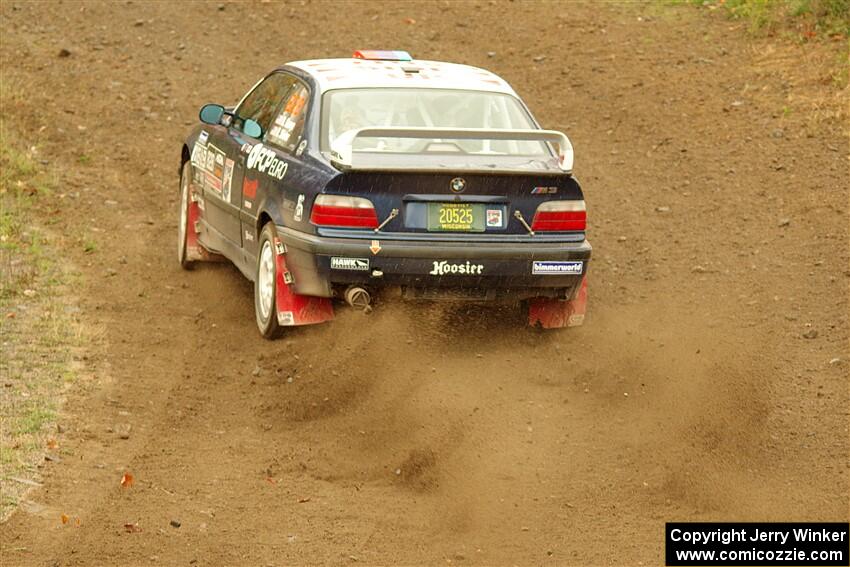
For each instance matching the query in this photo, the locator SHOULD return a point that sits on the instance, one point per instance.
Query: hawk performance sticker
(557, 268)
(358, 264)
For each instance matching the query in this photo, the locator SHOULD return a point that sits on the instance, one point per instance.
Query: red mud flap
(194, 251)
(555, 314)
(294, 309)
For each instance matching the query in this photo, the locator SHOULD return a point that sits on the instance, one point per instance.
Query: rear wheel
(265, 284)
(183, 227)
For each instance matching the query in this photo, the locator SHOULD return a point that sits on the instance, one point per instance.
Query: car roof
(353, 73)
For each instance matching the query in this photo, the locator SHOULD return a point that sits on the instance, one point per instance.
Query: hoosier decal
(265, 160)
(444, 268)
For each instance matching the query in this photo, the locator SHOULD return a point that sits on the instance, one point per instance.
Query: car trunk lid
(455, 202)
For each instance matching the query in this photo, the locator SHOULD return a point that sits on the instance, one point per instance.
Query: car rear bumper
(318, 263)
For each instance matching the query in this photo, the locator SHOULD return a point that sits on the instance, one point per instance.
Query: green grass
(803, 19)
(22, 245)
(799, 21)
(33, 418)
(38, 331)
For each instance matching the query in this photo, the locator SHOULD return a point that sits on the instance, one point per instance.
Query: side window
(261, 104)
(288, 126)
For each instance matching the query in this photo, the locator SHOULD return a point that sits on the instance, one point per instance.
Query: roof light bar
(380, 55)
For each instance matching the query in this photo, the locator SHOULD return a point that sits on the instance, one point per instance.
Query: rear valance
(344, 156)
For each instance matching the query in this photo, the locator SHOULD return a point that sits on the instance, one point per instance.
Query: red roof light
(380, 55)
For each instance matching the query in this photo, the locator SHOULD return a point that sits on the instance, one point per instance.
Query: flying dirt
(437, 433)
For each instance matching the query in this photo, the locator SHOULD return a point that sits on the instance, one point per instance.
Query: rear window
(345, 110)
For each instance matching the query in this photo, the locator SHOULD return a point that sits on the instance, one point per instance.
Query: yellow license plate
(461, 217)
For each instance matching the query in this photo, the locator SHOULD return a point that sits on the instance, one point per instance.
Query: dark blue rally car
(337, 179)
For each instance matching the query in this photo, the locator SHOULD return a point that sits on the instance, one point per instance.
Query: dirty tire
(265, 288)
(183, 221)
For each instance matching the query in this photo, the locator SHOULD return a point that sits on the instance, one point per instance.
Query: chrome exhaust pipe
(358, 298)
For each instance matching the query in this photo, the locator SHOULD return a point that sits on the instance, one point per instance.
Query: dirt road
(716, 176)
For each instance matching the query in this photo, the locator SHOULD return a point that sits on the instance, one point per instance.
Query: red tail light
(339, 210)
(560, 216)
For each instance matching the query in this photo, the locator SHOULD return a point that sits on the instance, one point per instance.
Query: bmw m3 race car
(337, 179)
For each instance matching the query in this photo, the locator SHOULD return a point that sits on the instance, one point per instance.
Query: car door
(221, 214)
(273, 169)
(227, 155)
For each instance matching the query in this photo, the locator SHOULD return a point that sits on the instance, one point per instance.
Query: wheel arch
(263, 218)
(185, 156)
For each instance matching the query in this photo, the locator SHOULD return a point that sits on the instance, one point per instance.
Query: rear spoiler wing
(345, 157)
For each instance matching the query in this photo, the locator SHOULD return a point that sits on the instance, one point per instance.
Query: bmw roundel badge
(457, 185)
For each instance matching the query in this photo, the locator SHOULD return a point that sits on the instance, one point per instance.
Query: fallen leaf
(78, 522)
(127, 480)
(64, 519)
(52, 444)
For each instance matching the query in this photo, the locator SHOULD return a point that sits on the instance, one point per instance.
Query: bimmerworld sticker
(557, 268)
(360, 264)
